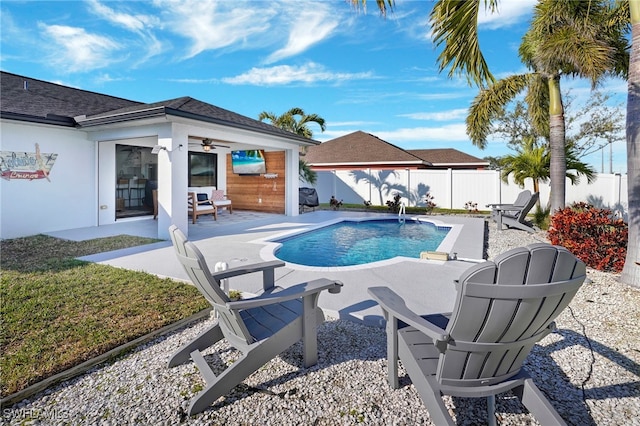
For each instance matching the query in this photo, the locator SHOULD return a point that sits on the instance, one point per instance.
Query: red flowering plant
(592, 234)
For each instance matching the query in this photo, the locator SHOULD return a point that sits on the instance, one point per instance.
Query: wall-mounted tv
(249, 162)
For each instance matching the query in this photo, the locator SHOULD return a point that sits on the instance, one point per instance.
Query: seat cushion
(218, 195)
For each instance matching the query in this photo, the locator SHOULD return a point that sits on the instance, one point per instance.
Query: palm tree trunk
(558, 166)
(631, 272)
(536, 188)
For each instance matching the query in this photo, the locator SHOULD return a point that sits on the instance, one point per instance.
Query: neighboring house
(71, 158)
(449, 158)
(360, 150)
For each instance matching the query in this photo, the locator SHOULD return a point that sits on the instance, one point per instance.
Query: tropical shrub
(541, 217)
(592, 234)
(471, 207)
(394, 205)
(430, 205)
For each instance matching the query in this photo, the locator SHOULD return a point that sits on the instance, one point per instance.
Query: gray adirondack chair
(513, 216)
(502, 309)
(260, 328)
(521, 200)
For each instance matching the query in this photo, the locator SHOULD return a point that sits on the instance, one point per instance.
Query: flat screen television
(249, 162)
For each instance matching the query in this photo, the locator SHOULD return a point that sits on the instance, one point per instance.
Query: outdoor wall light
(157, 148)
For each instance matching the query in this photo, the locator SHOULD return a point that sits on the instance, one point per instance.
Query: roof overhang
(163, 113)
(371, 163)
(56, 120)
(480, 164)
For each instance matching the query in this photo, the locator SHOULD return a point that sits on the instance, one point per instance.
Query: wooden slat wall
(246, 191)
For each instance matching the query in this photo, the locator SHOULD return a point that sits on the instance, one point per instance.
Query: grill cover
(308, 197)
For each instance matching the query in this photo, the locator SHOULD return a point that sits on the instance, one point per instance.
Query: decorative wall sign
(26, 165)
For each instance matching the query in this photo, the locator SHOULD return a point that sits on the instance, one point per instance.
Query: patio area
(239, 239)
(588, 369)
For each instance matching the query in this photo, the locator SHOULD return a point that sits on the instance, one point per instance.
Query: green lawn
(57, 312)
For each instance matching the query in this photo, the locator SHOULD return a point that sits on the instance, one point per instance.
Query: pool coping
(427, 285)
(267, 252)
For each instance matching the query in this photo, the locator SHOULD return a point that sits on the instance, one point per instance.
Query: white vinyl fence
(454, 188)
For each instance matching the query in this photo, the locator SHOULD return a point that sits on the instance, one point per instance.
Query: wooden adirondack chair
(514, 217)
(260, 327)
(502, 309)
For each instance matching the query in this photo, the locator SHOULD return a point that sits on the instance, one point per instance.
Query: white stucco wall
(81, 190)
(67, 201)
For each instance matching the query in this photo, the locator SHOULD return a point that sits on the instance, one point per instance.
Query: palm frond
(454, 23)
(489, 103)
(537, 99)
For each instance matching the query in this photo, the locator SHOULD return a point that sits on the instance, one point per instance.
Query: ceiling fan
(208, 145)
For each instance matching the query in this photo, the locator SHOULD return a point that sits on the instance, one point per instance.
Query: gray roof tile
(358, 147)
(30, 99)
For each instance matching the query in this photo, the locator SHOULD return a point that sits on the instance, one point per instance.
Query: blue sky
(357, 70)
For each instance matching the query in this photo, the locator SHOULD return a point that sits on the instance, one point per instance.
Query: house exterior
(71, 158)
(360, 151)
(449, 158)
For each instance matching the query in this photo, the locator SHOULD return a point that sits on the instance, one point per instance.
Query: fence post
(450, 187)
(369, 185)
(408, 186)
(333, 191)
(617, 189)
(499, 186)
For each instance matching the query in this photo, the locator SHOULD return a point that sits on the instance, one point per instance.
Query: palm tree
(631, 272)
(291, 122)
(530, 161)
(533, 160)
(455, 23)
(565, 38)
(296, 121)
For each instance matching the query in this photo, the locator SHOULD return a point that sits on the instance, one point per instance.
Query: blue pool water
(354, 243)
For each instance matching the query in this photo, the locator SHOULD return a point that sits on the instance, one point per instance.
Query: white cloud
(287, 74)
(140, 24)
(352, 123)
(405, 136)
(135, 23)
(510, 12)
(454, 114)
(193, 80)
(74, 49)
(311, 26)
(107, 78)
(215, 25)
(448, 133)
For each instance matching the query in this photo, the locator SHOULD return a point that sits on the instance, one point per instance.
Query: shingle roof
(29, 99)
(190, 108)
(359, 147)
(41, 101)
(447, 156)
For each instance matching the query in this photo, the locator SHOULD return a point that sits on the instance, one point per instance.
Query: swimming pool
(349, 243)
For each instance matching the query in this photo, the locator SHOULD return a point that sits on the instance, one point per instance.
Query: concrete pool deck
(426, 285)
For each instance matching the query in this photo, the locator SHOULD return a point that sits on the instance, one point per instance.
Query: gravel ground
(589, 370)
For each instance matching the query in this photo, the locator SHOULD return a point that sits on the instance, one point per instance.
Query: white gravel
(589, 370)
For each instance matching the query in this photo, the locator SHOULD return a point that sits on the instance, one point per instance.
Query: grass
(58, 312)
